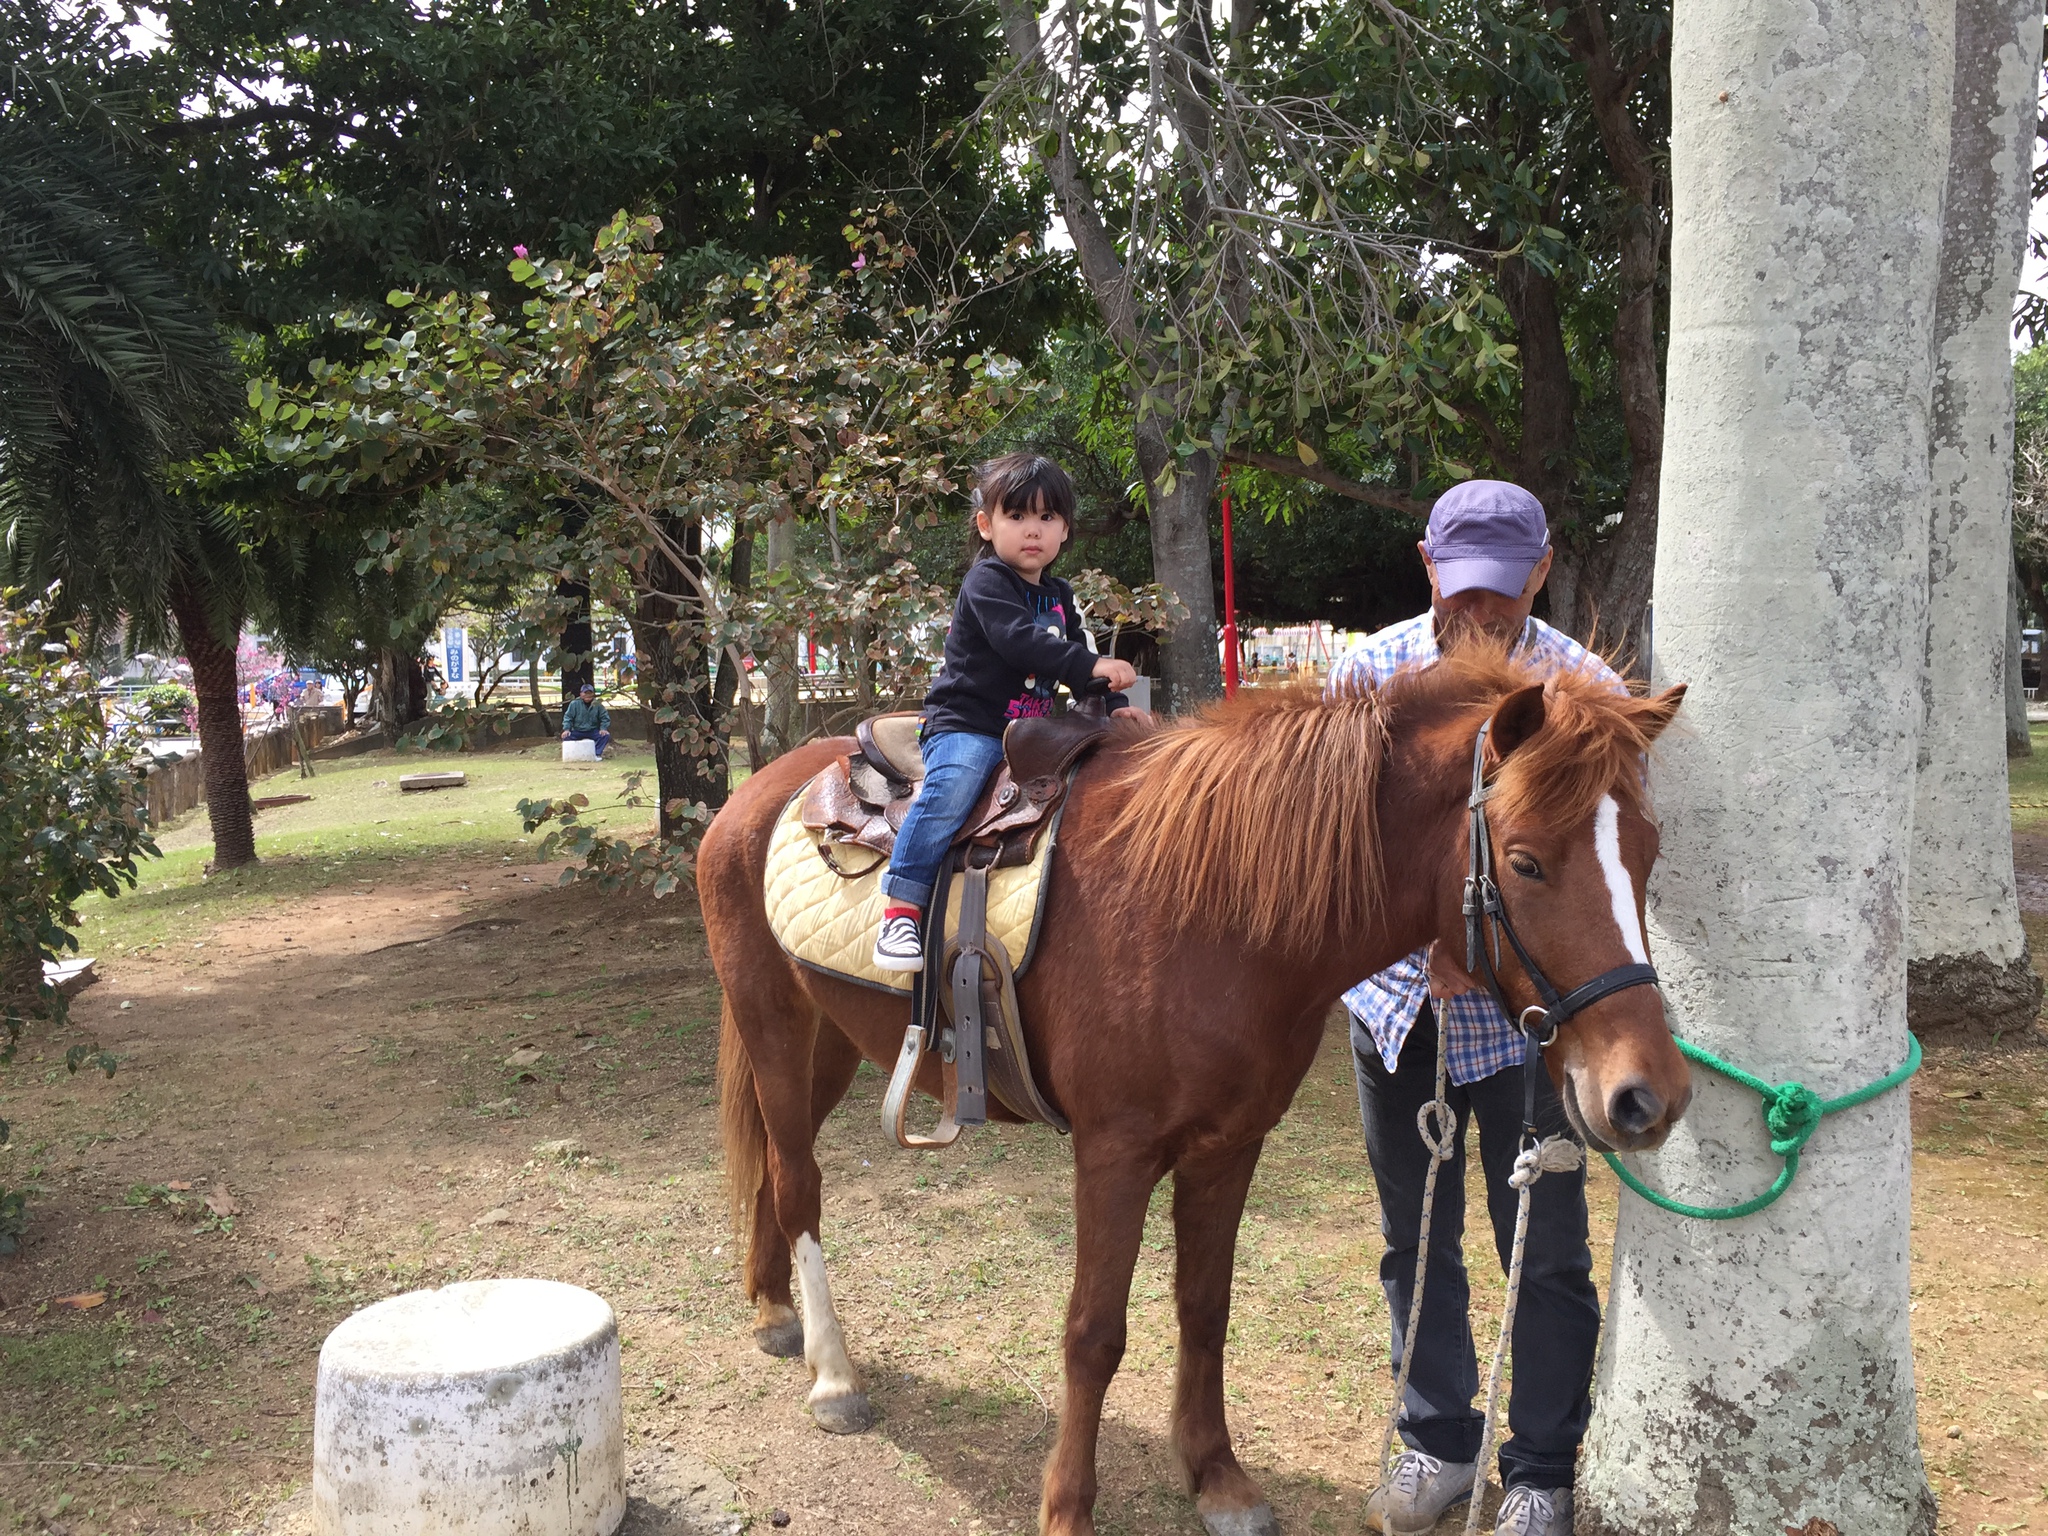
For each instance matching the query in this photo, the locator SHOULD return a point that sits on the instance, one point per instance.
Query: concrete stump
(486, 1408)
(579, 751)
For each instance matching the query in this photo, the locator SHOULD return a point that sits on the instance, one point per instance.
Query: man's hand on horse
(1130, 712)
(1447, 977)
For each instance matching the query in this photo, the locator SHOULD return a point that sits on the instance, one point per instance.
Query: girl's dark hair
(1021, 480)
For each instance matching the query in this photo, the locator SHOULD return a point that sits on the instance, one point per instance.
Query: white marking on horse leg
(824, 1344)
(1621, 890)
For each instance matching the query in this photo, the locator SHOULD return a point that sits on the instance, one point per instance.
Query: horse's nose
(1634, 1108)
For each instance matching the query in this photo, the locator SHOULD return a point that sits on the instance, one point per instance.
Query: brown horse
(1217, 885)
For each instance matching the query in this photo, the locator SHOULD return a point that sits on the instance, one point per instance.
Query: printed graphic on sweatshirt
(1049, 614)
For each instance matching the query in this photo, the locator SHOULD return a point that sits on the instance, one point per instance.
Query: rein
(1486, 916)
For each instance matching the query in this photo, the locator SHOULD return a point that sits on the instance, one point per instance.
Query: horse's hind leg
(777, 1328)
(788, 1101)
(1208, 1201)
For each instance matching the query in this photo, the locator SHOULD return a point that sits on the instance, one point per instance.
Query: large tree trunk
(579, 666)
(1180, 561)
(1178, 489)
(1614, 589)
(398, 694)
(781, 663)
(675, 681)
(2019, 740)
(228, 811)
(1969, 970)
(1543, 463)
(1757, 1374)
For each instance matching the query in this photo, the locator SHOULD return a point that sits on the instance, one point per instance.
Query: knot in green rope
(1793, 1111)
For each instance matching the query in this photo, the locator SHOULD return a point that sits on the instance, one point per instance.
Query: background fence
(174, 786)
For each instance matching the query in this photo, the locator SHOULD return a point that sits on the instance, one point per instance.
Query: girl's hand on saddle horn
(1118, 674)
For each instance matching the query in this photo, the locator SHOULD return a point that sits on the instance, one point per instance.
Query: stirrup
(896, 1102)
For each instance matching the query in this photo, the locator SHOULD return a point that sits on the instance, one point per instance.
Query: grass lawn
(2029, 777)
(360, 825)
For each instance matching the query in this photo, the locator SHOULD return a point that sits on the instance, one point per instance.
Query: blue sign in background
(453, 648)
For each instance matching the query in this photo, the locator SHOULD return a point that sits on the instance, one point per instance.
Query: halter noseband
(1484, 909)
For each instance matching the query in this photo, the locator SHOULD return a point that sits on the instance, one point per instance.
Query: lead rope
(1438, 1126)
(1556, 1154)
(1441, 1141)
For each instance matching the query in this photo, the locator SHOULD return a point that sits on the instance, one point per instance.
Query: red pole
(1229, 598)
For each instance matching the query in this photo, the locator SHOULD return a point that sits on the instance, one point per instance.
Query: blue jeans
(1557, 1323)
(957, 765)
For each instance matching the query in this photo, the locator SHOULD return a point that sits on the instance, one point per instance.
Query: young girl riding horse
(1016, 634)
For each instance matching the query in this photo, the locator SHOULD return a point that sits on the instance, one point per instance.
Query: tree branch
(1329, 479)
(215, 123)
(1093, 243)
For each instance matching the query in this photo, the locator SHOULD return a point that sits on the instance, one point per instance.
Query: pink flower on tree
(519, 251)
(859, 262)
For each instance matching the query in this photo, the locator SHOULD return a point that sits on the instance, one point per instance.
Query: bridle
(1539, 1022)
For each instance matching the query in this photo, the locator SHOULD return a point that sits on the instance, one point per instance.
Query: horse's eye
(1525, 866)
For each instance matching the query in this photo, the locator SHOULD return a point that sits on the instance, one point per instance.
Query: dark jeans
(1557, 1321)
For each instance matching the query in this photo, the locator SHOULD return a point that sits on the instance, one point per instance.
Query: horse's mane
(1260, 813)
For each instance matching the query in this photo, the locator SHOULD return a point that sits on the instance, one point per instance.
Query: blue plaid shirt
(1479, 1039)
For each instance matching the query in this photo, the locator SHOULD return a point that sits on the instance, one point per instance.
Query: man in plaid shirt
(1488, 552)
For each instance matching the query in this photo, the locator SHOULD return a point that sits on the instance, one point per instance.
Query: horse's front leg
(1112, 1186)
(1208, 1201)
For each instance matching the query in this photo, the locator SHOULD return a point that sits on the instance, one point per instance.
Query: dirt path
(308, 1117)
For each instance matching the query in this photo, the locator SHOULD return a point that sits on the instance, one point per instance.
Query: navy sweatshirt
(1009, 644)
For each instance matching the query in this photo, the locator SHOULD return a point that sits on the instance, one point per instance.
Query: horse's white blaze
(824, 1345)
(1621, 891)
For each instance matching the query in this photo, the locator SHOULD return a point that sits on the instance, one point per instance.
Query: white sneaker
(899, 946)
(1416, 1493)
(1535, 1512)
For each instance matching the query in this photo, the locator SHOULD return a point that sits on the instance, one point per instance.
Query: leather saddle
(860, 800)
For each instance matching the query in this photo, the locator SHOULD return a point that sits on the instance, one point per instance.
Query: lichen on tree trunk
(1757, 1374)
(1970, 971)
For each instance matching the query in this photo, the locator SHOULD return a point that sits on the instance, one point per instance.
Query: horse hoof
(1256, 1521)
(784, 1340)
(848, 1414)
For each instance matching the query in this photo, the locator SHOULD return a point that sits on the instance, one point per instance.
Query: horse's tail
(740, 1123)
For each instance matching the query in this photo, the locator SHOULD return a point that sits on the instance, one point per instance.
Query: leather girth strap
(984, 1044)
(989, 1051)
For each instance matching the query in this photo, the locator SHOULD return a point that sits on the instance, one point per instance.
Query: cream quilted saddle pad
(829, 923)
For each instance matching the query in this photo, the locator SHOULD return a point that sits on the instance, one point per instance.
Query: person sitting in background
(584, 719)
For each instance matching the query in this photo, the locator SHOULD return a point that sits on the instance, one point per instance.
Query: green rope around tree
(1793, 1112)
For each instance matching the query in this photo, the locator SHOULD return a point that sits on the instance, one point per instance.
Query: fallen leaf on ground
(221, 1203)
(81, 1301)
(526, 1056)
(495, 1218)
(181, 1185)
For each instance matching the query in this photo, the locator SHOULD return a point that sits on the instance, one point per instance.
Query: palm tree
(112, 374)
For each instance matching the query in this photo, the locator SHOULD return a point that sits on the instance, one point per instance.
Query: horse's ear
(1516, 718)
(1655, 714)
